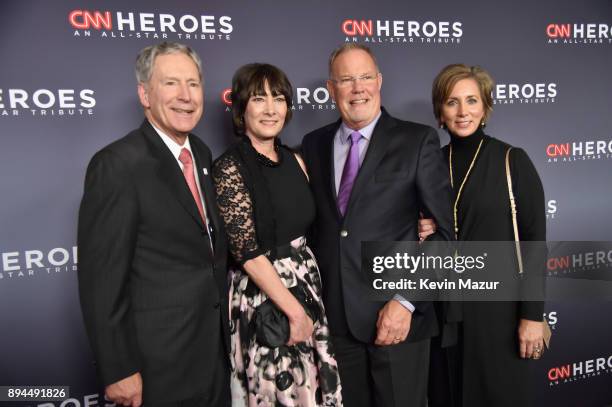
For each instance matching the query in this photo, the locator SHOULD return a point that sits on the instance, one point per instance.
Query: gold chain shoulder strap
(467, 174)
(547, 331)
(517, 243)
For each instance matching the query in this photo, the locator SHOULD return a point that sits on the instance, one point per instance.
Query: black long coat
(493, 374)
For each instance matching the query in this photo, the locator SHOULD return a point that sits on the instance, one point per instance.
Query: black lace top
(263, 204)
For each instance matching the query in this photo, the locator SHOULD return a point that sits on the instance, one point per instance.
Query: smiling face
(173, 97)
(264, 116)
(464, 110)
(358, 100)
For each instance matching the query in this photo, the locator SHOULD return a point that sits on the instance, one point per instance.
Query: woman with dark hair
(280, 344)
(489, 365)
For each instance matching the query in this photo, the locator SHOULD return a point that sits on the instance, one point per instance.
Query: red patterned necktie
(185, 158)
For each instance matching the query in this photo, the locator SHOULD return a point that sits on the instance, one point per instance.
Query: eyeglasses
(347, 81)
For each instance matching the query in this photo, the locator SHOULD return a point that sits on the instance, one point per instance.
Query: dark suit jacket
(153, 294)
(402, 173)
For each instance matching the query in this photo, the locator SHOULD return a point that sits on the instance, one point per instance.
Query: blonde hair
(448, 77)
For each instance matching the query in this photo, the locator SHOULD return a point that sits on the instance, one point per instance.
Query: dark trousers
(382, 376)
(218, 394)
(445, 375)
(194, 402)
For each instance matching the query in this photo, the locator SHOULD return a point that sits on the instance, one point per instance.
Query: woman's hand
(531, 339)
(426, 227)
(300, 326)
(261, 271)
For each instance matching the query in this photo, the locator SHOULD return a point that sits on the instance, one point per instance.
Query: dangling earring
(442, 125)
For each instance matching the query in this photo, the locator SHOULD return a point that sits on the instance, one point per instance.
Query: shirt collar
(174, 147)
(366, 132)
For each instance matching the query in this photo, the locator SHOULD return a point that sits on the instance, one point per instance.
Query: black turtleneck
(483, 214)
(464, 149)
(483, 210)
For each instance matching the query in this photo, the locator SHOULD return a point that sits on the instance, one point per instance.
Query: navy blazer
(403, 172)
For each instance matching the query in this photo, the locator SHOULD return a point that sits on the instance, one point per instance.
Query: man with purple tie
(371, 175)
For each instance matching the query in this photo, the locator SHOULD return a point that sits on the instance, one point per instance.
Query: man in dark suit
(152, 252)
(371, 175)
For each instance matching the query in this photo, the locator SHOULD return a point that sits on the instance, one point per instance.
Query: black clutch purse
(272, 325)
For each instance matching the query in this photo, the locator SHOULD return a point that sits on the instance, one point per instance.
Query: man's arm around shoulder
(434, 186)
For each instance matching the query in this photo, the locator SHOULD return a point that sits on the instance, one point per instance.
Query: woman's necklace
(450, 167)
(262, 158)
(265, 160)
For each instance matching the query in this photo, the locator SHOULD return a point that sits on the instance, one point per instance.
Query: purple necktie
(349, 173)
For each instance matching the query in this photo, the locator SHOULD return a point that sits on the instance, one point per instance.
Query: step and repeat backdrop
(67, 88)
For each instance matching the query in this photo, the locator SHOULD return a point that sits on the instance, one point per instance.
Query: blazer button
(217, 305)
(344, 233)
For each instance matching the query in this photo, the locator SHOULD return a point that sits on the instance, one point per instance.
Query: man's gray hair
(146, 58)
(349, 46)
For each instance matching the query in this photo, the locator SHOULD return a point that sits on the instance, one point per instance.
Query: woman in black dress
(489, 365)
(266, 204)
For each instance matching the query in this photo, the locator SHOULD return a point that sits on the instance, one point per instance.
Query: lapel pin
(205, 171)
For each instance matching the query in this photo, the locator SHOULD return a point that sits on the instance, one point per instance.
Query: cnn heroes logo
(579, 33)
(402, 31)
(137, 25)
(58, 103)
(31, 263)
(317, 99)
(524, 93)
(572, 151)
(579, 261)
(584, 369)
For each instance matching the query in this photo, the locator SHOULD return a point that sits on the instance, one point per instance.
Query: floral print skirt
(303, 375)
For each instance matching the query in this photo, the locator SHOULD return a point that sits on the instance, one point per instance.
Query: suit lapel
(170, 173)
(326, 155)
(374, 154)
(203, 166)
